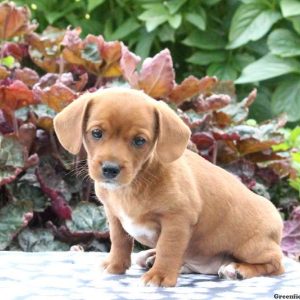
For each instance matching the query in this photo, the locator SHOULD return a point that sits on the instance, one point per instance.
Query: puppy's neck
(147, 177)
(151, 169)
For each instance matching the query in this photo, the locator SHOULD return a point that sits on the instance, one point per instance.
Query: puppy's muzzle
(110, 170)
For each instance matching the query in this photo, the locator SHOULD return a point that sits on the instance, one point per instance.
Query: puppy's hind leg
(146, 258)
(254, 262)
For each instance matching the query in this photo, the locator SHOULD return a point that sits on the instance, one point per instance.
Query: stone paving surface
(76, 275)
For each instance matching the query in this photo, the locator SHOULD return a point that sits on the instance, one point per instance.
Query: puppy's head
(120, 130)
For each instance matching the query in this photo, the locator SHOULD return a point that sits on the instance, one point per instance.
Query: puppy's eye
(97, 134)
(138, 141)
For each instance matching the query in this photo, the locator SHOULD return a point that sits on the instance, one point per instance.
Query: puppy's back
(226, 202)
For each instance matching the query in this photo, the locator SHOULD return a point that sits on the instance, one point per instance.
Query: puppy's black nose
(110, 170)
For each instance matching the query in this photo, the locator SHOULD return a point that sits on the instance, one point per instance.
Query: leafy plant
(249, 41)
(292, 144)
(291, 235)
(50, 207)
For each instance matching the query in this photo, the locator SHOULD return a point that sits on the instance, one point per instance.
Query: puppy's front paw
(113, 266)
(158, 279)
(230, 272)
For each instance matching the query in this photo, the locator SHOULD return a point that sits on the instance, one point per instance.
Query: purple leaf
(291, 235)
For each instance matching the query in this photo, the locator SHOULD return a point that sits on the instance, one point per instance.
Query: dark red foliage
(15, 94)
(64, 234)
(58, 202)
(16, 50)
(5, 123)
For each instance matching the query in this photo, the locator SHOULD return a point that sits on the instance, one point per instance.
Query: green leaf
(241, 60)
(28, 189)
(88, 217)
(26, 192)
(284, 43)
(290, 8)
(204, 58)
(167, 33)
(144, 44)
(11, 157)
(155, 6)
(211, 2)
(175, 21)
(155, 16)
(108, 29)
(223, 71)
(260, 109)
(197, 19)
(91, 53)
(93, 4)
(296, 155)
(295, 138)
(267, 67)
(38, 240)
(7, 61)
(53, 16)
(296, 162)
(286, 98)
(250, 23)
(151, 24)
(205, 40)
(259, 48)
(296, 23)
(174, 5)
(13, 219)
(252, 1)
(295, 183)
(144, 1)
(125, 29)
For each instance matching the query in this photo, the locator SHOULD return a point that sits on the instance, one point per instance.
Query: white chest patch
(135, 230)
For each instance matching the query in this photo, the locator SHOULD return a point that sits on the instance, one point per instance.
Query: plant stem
(99, 82)
(15, 123)
(1, 49)
(215, 152)
(54, 147)
(87, 191)
(61, 65)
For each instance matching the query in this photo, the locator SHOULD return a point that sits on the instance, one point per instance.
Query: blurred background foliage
(253, 42)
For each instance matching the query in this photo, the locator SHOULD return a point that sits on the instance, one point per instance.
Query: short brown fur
(201, 218)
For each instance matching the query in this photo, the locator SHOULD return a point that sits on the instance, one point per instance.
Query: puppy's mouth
(110, 178)
(109, 184)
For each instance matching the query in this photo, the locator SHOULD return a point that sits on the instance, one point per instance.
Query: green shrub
(292, 144)
(249, 41)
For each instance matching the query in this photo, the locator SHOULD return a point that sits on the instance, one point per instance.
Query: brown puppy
(197, 216)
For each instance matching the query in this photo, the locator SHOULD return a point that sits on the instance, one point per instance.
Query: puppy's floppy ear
(68, 123)
(173, 134)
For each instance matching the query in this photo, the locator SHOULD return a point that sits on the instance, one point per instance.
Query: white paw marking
(142, 283)
(228, 272)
